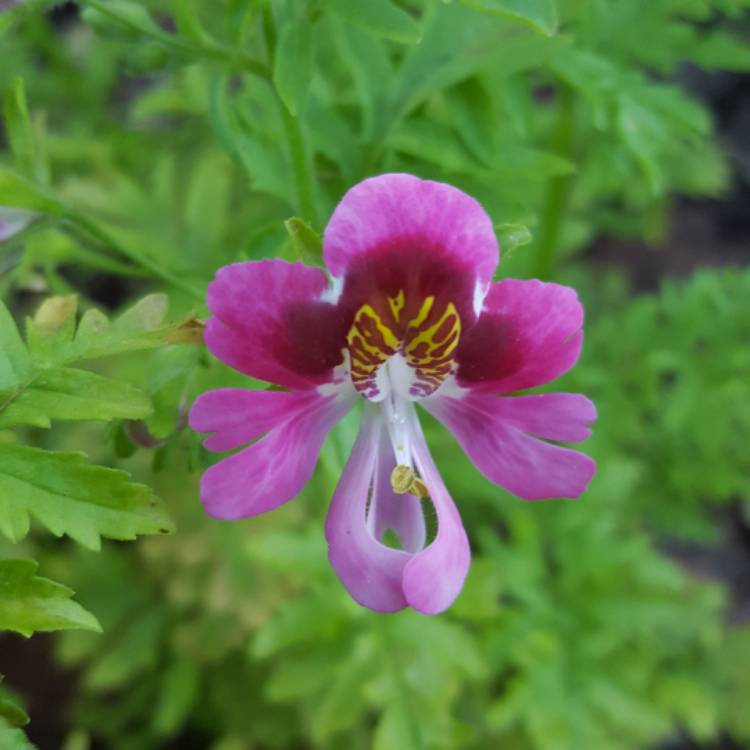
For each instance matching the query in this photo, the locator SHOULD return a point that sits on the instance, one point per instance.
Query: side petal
(370, 571)
(272, 471)
(528, 333)
(400, 211)
(400, 513)
(506, 455)
(553, 416)
(13, 221)
(270, 323)
(237, 416)
(434, 577)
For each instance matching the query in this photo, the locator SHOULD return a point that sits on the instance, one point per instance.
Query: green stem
(209, 50)
(558, 190)
(304, 178)
(301, 166)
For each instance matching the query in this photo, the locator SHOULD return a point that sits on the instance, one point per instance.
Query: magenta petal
(400, 513)
(237, 416)
(434, 577)
(528, 333)
(554, 416)
(270, 323)
(272, 471)
(370, 571)
(402, 211)
(500, 449)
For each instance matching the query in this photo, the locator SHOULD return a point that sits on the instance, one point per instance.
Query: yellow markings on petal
(371, 343)
(397, 304)
(428, 347)
(439, 341)
(404, 481)
(424, 311)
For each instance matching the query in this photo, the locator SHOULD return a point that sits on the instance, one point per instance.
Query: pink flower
(411, 316)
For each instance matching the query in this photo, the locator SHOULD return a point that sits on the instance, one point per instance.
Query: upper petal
(370, 571)
(272, 471)
(434, 577)
(237, 416)
(401, 212)
(493, 434)
(528, 333)
(271, 324)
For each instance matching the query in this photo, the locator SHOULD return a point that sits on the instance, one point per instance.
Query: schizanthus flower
(410, 316)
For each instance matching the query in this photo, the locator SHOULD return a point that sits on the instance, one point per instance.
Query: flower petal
(400, 513)
(529, 332)
(272, 471)
(504, 454)
(238, 416)
(271, 324)
(402, 212)
(13, 221)
(434, 577)
(370, 571)
(554, 416)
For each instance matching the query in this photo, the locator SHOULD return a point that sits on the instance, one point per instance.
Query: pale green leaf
(540, 15)
(69, 496)
(512, 236)
(29, 603)
(380, 17)
(293, 67)
(307, 243)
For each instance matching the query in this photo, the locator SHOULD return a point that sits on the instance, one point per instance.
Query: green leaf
(540, 15)
(18, 127)
(133, 16)
(18, 192)
(12, 738)
(14, 359)
(379, 17)
(293, 67)
(72, 394)
(307, 243)
(29, 603)
(13, 714)
(178, 691)
(10, 711)
(396, 729)
(71, 497)
(512, 236)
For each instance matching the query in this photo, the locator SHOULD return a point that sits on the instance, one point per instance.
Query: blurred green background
(155, 141)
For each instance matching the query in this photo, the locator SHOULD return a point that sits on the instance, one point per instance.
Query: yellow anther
(404, 481)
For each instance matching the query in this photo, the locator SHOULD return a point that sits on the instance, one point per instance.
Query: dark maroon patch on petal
(419, 272)
(315, 335)
(490, 350)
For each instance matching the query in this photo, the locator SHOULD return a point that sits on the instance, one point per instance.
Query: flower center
(402, 347)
